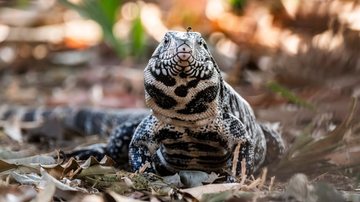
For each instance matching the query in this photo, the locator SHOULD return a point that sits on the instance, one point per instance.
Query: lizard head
(183, 54)
(182, 80)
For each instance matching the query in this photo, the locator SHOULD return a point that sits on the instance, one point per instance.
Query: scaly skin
(197, 118)
(195, 123)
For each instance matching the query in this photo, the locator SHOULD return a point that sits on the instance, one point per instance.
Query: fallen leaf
(47, 178)
(194, 178)
(33, 160)
(120, 198)
(97, 170)
(197, 192)
(26, 179)
(47, 193)
(6, 166)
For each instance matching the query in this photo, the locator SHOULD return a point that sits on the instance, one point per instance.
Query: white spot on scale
(157, 71)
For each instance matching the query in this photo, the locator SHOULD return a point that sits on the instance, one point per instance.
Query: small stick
(263, 177)
(144, 167)
(236, 159)
(243, 172)
(253, 184)
(243, 167)
(272, 179)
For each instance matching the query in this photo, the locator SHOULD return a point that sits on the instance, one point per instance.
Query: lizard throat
(182, 101)
(183, 123)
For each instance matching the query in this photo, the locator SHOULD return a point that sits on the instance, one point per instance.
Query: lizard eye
(201, 42)
(205, 46)
(166, 40)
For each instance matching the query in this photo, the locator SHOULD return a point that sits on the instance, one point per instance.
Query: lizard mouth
(192, 67)
(184, 56)
(184, 52)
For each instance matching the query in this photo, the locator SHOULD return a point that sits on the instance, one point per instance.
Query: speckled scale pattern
(196, 118)
(196, 107)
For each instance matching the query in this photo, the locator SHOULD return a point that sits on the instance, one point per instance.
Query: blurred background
(296, 62)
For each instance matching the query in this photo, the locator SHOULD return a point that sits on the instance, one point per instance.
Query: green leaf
(286, 93)
(110, 8)
(237, 5)
(103, 13)
(138, 39)
(22, 3)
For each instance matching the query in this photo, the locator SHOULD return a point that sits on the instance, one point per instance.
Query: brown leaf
(47, 178)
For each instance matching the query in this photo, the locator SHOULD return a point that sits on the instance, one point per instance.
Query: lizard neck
(182, 81)
(186, 100)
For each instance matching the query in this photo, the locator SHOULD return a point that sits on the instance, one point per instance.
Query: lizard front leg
(143, 146)
(119, 141)
(246, 153)
(237, 133)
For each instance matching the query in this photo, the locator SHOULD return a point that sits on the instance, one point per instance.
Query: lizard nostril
(183, 49)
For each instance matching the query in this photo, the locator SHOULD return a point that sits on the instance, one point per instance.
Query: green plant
(137, 34)
(104, 12)
(287, 94)
(237, 5)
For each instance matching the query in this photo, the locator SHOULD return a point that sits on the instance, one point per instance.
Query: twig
(272, 179)
(263, 177)
(144, 167)
(243, 172)
(236, 159)
(253, 184)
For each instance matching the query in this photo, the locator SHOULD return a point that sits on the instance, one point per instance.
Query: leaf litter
(323, 152)
(92, 176)
(82, 179)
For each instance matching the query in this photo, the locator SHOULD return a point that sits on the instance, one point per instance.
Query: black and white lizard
(196, 118)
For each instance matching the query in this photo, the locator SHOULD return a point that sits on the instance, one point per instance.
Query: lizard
(195, 121)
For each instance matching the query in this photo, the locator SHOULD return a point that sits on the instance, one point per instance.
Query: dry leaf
(46, 194)
(119, 198)
(47, 178)
(197, 192)
(192, 178)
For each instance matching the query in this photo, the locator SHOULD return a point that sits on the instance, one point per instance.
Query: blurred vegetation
(22, 3)
(289, 95)
(237, 5)
(137, 38)
(105, 13)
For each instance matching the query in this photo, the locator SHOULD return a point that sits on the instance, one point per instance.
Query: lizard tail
(57, 121)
